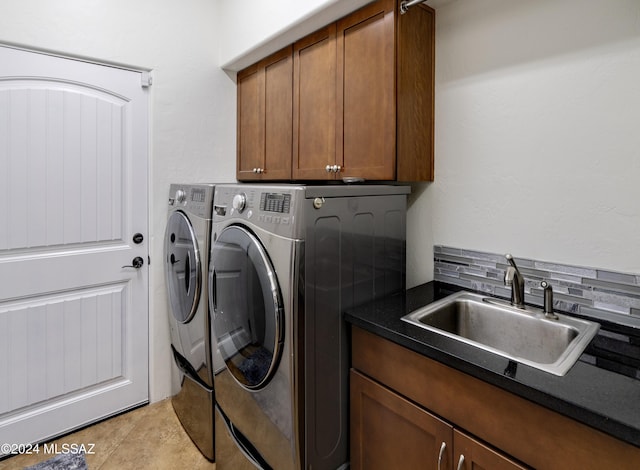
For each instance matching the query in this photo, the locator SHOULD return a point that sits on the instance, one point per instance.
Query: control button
(268, 219)
(284, 220)
(276, 219)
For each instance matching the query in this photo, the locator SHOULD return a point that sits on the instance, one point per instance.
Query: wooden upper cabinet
(344, 105)
(366, 95)
(362, 99)
(415, 72)
(368, 82)
(265, 112)
(314, 105)
(250, 132)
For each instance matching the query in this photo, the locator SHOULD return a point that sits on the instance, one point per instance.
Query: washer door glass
(182, 266)
(247, 307)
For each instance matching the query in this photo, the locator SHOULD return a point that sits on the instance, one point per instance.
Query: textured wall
(537, 149)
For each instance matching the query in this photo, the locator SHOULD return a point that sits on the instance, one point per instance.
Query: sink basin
(494, 325)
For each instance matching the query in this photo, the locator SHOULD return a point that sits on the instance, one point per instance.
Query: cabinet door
(278, 108)
(470, 454)
(250, 138)
(314, 105)
(366, 97)
(415, 85)
(265, 113)
(388, 431)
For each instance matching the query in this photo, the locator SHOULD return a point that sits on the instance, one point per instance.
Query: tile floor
(149, 437)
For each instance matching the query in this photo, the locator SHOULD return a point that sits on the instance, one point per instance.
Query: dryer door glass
(182, 267)
(247, 307)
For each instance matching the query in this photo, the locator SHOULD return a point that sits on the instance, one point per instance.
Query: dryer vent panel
(355, 253)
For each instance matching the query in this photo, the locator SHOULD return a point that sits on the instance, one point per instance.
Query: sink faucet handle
(513, 267)
(509, 274)
(511, 261)
(511, 271)
(548, 301)
(513, 278)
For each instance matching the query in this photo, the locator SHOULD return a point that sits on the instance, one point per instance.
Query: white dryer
(186, 253)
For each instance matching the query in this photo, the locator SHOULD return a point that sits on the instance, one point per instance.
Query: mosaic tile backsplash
(593, 292)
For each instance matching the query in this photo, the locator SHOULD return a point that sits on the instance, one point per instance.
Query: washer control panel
(194, 198)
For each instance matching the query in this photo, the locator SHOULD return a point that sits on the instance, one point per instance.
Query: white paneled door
(73, 196)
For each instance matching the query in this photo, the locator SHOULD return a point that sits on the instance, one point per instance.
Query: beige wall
(537, 142)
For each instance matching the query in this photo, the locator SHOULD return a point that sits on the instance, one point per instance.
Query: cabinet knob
(328, 168)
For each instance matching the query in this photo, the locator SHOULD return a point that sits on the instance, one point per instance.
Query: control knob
(239, 202)
(181, 196)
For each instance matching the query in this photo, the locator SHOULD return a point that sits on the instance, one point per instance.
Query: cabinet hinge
(146, 79)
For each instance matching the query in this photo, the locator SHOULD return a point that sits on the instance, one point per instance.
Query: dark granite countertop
(602, 389)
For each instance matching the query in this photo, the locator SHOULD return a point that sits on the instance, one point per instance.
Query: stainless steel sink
(524, 335)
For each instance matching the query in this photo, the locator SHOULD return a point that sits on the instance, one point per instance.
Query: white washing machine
(186, 253)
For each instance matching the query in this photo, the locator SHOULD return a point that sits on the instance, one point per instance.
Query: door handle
(137, 263)
(443, 447)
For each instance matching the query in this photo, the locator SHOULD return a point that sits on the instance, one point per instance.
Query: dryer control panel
(275, 202)
(271, 207)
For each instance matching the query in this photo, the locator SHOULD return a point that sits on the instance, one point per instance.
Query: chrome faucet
(514, 279)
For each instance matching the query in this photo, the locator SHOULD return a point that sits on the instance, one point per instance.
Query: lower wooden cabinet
(471, 454)
(389, 431)
(393, 387)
